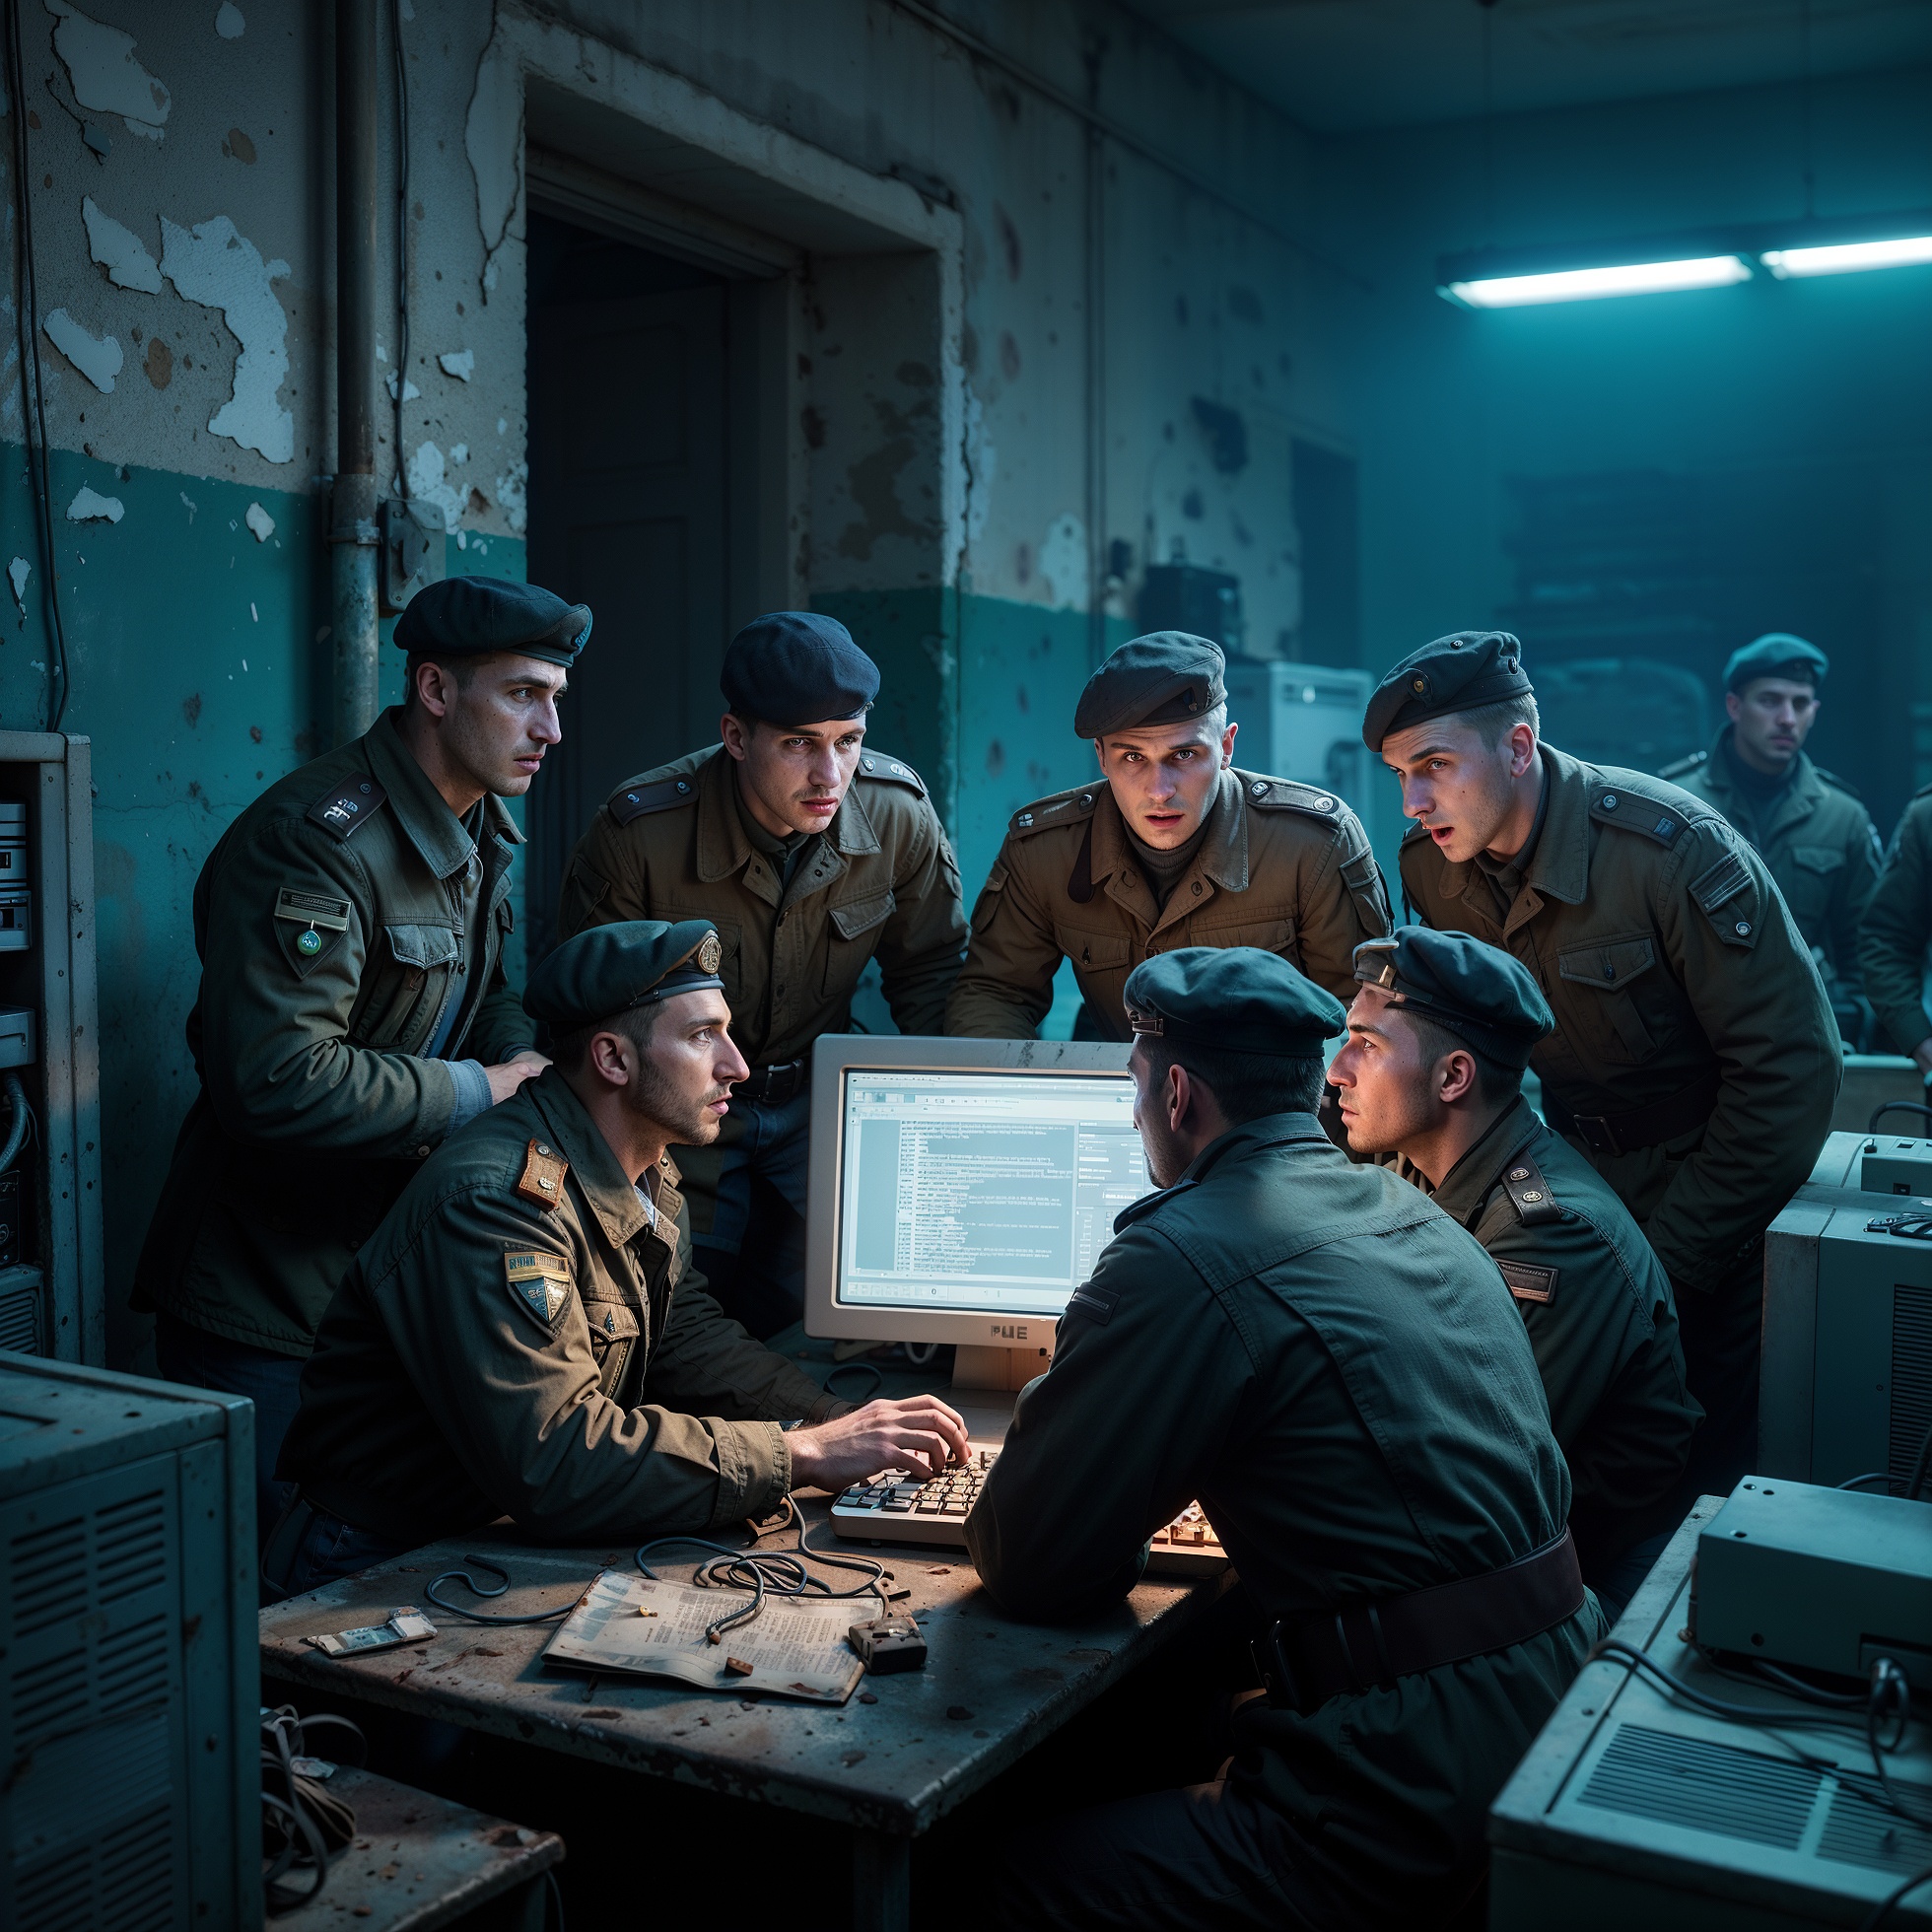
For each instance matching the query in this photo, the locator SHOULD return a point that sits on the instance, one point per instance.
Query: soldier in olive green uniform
(1336, 1371)
(1438, 1037)
(525, 1335)
(1696, 1058)
(1896, 930)
(863, 870)
(1815, 838)
(1171, 847)
(353, 1011)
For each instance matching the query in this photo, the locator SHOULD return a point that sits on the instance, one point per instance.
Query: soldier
(1694, 1059)
(525, 1335)
(1175, 848)
(1439, 1034)
(353, 1011)
(1896, 930)
(1814, 837)
(811, 855)
(1332, 1365)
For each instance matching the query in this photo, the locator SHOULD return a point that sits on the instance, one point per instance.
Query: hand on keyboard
(920, 1434)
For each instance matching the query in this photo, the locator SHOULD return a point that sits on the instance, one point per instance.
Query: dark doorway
(627, 497)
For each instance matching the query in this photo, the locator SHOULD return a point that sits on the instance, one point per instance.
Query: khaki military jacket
(1601, 1317)
(1336, 1371)
(329, 922)
(1283, 866)
(1677, 977)
(1819, 845)
(525, 1335)
(1897, 926)
(884, 882)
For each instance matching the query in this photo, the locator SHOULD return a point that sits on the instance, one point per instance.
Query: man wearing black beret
(1439, 1034)
(1695, 1058)
(1171, 847)
(813, 853)
(353, 1011)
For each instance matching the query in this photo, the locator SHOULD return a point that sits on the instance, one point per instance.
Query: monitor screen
(980, 1192)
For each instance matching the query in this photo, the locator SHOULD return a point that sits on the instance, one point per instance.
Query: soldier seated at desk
(524, 1334)
(1438, 1037)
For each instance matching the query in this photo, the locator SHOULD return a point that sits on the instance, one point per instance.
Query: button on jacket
(330, 922)
(1670, 962)
(1336, 1371)
(1282, 867)
(489, 1352)
(1897, 926)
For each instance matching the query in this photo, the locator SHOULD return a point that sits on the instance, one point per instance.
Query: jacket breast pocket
(1810, 879)
(856, 930)
(1094, 953)
(614, 1329)
(415, 965)
(1603, 981)
(1270, 934)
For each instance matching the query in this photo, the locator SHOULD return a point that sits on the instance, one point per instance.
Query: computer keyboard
(898, 1507)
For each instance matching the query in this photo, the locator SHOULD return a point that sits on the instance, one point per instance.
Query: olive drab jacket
(1283, 866)
(524, 1334)
(1336, 1371)
(1696, 1058)
(882, 881)
(330, 920)
(1897, 926)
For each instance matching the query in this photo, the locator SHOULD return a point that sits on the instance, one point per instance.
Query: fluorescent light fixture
(1592, 284)
(1848, 258)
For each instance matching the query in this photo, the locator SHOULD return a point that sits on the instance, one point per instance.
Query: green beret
(1163, 678)
(606, 970)
(1778, 653)
(469, 617)
(797, 667)
(1481, 993)
(1463, 671)
(1234, 999)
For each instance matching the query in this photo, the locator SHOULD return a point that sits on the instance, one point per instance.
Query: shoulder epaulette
(889, 770)
(350, 806)
(634, 801)
(1683, 767)
(1530, 1193)
(1838, 784)
(542, 1178)
(1286, 795)
(1062, 809)
(1618, 803)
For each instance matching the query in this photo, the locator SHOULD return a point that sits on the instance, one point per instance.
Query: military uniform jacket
(329, 922)
(1283, 866)
(1336, 1371)
(1601, 1317)
(883, 880)
(1674, 969)
(1819, 843)
(1896, 928)
(524, 1334)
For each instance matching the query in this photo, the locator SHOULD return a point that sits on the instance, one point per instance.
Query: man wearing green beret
(1171, 847)
(1808, 824)
(1431, 1075)
(353, 1011)
(525, 1335)
(1694, 1059)
(1334, 1369)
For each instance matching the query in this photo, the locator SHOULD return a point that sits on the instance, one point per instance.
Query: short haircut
(1494, 1082)
(462, 670)
(1493, 722)
(570, 1050)
(1247, 1085)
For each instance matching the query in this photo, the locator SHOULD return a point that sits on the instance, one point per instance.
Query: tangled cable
(305, 1822)
(469, 1582)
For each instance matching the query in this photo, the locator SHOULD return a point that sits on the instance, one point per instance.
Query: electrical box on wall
(413, 542)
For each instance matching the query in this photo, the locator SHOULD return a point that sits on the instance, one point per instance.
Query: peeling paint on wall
(409, 390)
(18, 572)
(459, 362)
(99, 360)
(260, 522)
(89, 506)
(982, 465)
(514, 496)
(221, 269)
(119, 250)
(493, 139)
(427, 485)
(228, 20)
(104, 73)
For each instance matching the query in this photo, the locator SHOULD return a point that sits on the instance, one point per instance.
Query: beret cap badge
(710, 953)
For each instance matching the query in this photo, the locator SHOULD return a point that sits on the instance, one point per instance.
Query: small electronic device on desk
(961, 1191)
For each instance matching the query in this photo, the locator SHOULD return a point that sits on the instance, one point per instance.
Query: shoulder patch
(1286, 795)
(1095, 1303)
(889, 770)
(1527, 1281)
(351, 806)
(1618, 805)
(541, 1282)
(1062, 809)
(1683, 767)
(634, 801)
(1530, 1193)
(542, 1178)
(1724, 880)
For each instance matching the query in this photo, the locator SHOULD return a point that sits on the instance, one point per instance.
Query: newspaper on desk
(795, 1647)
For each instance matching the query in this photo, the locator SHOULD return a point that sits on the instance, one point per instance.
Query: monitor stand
(985, 1384)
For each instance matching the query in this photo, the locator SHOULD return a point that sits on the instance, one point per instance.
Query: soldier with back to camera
(1895, 932)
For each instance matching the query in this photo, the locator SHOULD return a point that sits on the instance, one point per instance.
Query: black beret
(1237, 999)
(606, 970)
(466, 616)
(797, 668)
(1778, 653)
(1479, 992)
(1163, 678)
(1463, 671)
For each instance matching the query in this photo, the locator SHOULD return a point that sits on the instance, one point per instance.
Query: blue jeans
(326, 1549)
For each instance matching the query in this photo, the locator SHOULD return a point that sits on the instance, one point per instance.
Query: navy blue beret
(606, 970)
(1463, 671)
(1778, 653)
(1163, 678)
(797, 668)
(1234, 999)
(467, 616)
(1479, 992)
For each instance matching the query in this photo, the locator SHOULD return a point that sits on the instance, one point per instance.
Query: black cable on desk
(486, 1617)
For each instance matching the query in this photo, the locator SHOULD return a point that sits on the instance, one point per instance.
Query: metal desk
(889, 1769)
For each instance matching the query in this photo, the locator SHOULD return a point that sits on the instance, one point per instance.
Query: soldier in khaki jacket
(811, 855)
(524, 1332)
(1694, 1059)
(1172, 848)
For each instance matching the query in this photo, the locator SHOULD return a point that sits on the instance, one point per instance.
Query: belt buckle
(1275, 1671)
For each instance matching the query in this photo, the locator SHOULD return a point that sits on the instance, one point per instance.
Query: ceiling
(1341, 65)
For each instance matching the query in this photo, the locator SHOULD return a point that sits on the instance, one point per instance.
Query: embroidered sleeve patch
(541, 1282)
(1095, 1303)
(1725, 880)
(312, 909)
(1529, 1283)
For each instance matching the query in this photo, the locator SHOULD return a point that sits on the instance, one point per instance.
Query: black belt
(773, 1086)
(1641, 1127)
(1315, 1658)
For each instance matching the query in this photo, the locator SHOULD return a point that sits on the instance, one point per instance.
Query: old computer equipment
(960, 1192)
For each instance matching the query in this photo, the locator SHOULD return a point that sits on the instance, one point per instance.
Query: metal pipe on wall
(353, 539)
